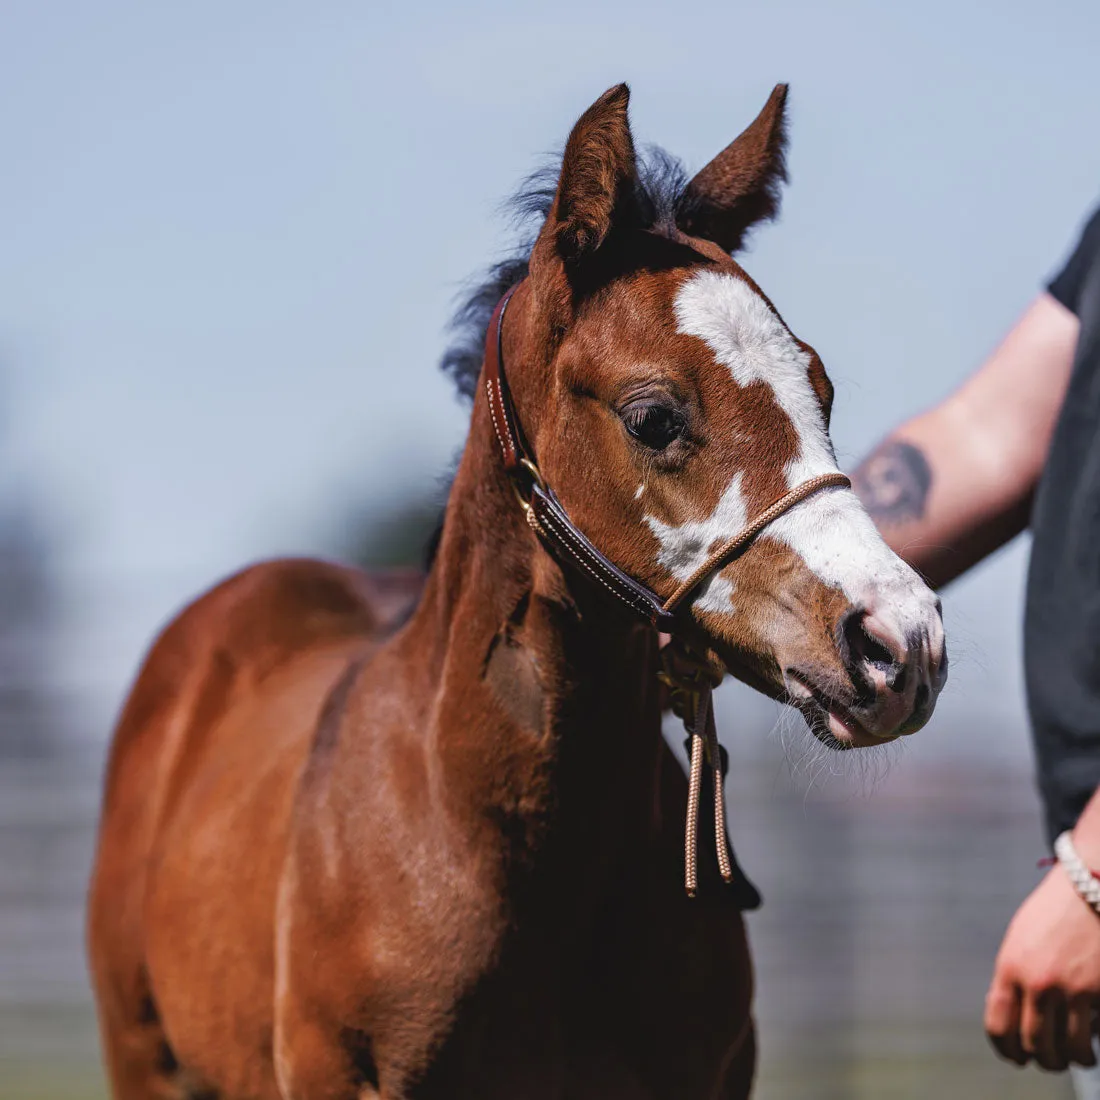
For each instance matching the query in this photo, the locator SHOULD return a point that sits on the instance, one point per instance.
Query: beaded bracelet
(1084, 882)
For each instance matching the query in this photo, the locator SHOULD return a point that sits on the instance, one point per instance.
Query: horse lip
(820, 707)
(812, 691)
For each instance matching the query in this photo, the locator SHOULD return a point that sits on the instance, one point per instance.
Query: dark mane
(660, 194)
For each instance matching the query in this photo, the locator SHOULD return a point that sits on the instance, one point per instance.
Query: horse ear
(740, 187)
(598, 175)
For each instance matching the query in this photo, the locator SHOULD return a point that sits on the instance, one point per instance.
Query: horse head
(669, 403)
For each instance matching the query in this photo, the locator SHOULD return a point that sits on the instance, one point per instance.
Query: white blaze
(830, 531)
(685, 548)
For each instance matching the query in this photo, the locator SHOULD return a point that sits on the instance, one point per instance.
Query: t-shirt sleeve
(1066, 285)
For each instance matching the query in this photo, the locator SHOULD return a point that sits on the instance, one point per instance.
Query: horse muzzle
(884, 682)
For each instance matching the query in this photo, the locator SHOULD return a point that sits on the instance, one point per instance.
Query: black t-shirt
(1062, 617)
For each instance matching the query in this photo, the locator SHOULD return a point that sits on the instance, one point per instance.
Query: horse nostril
(897, 677)
(867, 648)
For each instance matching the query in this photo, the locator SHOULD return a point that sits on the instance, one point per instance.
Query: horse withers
(351, 851)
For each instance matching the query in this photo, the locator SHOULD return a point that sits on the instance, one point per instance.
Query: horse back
(199, 789)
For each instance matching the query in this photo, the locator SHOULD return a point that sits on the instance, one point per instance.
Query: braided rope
(1084, 882)
(721, 836)
(747, 533)
(691, 827)
(704, 746)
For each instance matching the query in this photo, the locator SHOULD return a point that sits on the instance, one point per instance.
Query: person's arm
(1045, 991)
(955, 483)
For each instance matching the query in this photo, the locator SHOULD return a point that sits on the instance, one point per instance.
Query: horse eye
(654, 425)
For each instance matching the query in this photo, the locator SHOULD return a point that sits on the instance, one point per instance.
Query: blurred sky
(232, 234)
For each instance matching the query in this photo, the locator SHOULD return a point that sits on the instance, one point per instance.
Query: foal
(339, 860)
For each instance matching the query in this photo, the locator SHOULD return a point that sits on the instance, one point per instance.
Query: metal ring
(536, 479)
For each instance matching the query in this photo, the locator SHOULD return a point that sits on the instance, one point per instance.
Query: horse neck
(542, 695)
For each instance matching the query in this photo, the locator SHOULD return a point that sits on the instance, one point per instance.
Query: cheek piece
(691, 694)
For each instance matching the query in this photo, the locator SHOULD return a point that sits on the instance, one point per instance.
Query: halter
(569, 545)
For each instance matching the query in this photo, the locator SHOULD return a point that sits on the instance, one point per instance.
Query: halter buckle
(536, 479)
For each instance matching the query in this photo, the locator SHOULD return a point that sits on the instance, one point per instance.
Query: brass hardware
(536, 478)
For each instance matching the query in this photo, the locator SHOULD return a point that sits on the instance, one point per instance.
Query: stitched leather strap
(501, 409)
(570, 543)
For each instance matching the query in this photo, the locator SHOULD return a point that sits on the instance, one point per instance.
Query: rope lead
(699, 723)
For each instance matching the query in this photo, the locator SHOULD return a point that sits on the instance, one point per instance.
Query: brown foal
(345, 858)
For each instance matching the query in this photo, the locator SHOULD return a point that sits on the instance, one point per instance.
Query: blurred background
(232, 237)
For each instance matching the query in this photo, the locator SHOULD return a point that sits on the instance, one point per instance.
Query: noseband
(569, 545)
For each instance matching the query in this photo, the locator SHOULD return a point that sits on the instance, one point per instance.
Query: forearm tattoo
(893, 483)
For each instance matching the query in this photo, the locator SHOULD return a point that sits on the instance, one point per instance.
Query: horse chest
(652, 1000)
(624, 988)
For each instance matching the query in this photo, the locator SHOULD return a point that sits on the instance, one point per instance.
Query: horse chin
(752, 671)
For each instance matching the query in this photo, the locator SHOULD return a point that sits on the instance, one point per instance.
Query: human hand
(1045, 990)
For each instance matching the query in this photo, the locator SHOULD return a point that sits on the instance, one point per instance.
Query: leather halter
(566, 541)
(569, 545)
